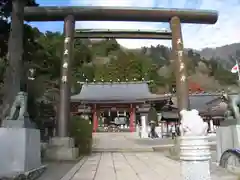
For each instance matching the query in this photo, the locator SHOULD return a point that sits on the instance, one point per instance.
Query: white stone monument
(211, 126)
(138, 131)
(158, 130)
(194, 147)
(144, 129)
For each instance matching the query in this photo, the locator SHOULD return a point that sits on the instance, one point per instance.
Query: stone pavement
(126, 141)
(115, 142)
(117, 158)
(134, 166)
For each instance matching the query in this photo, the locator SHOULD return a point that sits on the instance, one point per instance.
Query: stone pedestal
(20, 150)
(144, 130)
(195, 157)
(228, 137)
(158, 130)
(175, 150)
(211, 126)
(62, 149)
(138, 131)
(25, 123)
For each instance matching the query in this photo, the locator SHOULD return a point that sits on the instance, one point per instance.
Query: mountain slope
(223, 53)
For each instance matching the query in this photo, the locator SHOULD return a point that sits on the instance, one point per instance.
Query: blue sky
(224, 32)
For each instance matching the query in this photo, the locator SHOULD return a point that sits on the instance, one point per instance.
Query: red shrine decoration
(95, 119)
(194, 87)
(132, 118)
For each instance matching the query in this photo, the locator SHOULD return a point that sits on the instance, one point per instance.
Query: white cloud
(225, 31)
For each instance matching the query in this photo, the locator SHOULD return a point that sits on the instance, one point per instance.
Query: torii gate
(71, 14)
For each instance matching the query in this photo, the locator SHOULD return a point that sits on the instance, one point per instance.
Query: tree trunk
(15, 52)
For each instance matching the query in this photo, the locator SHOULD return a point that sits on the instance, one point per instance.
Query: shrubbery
(81, 131)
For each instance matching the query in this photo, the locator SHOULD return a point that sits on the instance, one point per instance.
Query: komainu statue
(192, 123)
(18, 116)
(19, 108)
(233, 104)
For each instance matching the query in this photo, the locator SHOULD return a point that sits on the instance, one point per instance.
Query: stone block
(159, 131)
(62, 153)
(174, 151)
(62, 141)
(62, 149)
(26, 123)
(20, 150)
(228, 137)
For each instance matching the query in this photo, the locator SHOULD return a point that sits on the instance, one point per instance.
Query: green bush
(81, 131)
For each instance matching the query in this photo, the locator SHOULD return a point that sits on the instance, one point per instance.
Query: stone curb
(167, 146)
(74, 169)
(98, 150)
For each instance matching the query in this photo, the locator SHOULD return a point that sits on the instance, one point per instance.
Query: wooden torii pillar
(72, 14)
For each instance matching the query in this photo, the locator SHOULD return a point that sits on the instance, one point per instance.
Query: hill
(209, 64)
(225, 54)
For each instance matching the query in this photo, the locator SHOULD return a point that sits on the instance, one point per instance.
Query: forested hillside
(225, 54)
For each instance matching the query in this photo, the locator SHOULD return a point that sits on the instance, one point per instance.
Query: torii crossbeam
(122, 34)
(95, 13)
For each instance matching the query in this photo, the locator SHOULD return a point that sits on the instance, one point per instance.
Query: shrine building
(125, 102)
(107, 100)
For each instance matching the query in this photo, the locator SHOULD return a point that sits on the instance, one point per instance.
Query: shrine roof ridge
(122, 91)
(124, 30)
(123, 34)
(198, 101)
(114, 82)
(96, 13)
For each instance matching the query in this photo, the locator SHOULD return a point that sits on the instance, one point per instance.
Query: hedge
(81, 131)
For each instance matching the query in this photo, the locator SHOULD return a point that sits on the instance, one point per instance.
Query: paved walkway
(113, 142)
(128, 163)
(135, 166)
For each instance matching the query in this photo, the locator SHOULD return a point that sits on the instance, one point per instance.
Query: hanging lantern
(31, 74)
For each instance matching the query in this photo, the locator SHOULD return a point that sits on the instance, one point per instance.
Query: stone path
(115, 142)
(112, 142)
(134, 166)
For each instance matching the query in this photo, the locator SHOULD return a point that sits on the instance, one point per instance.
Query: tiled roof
(115, 92)
(198, 101)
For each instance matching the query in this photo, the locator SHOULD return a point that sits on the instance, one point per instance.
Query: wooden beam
(122, 34)
(46, 13)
